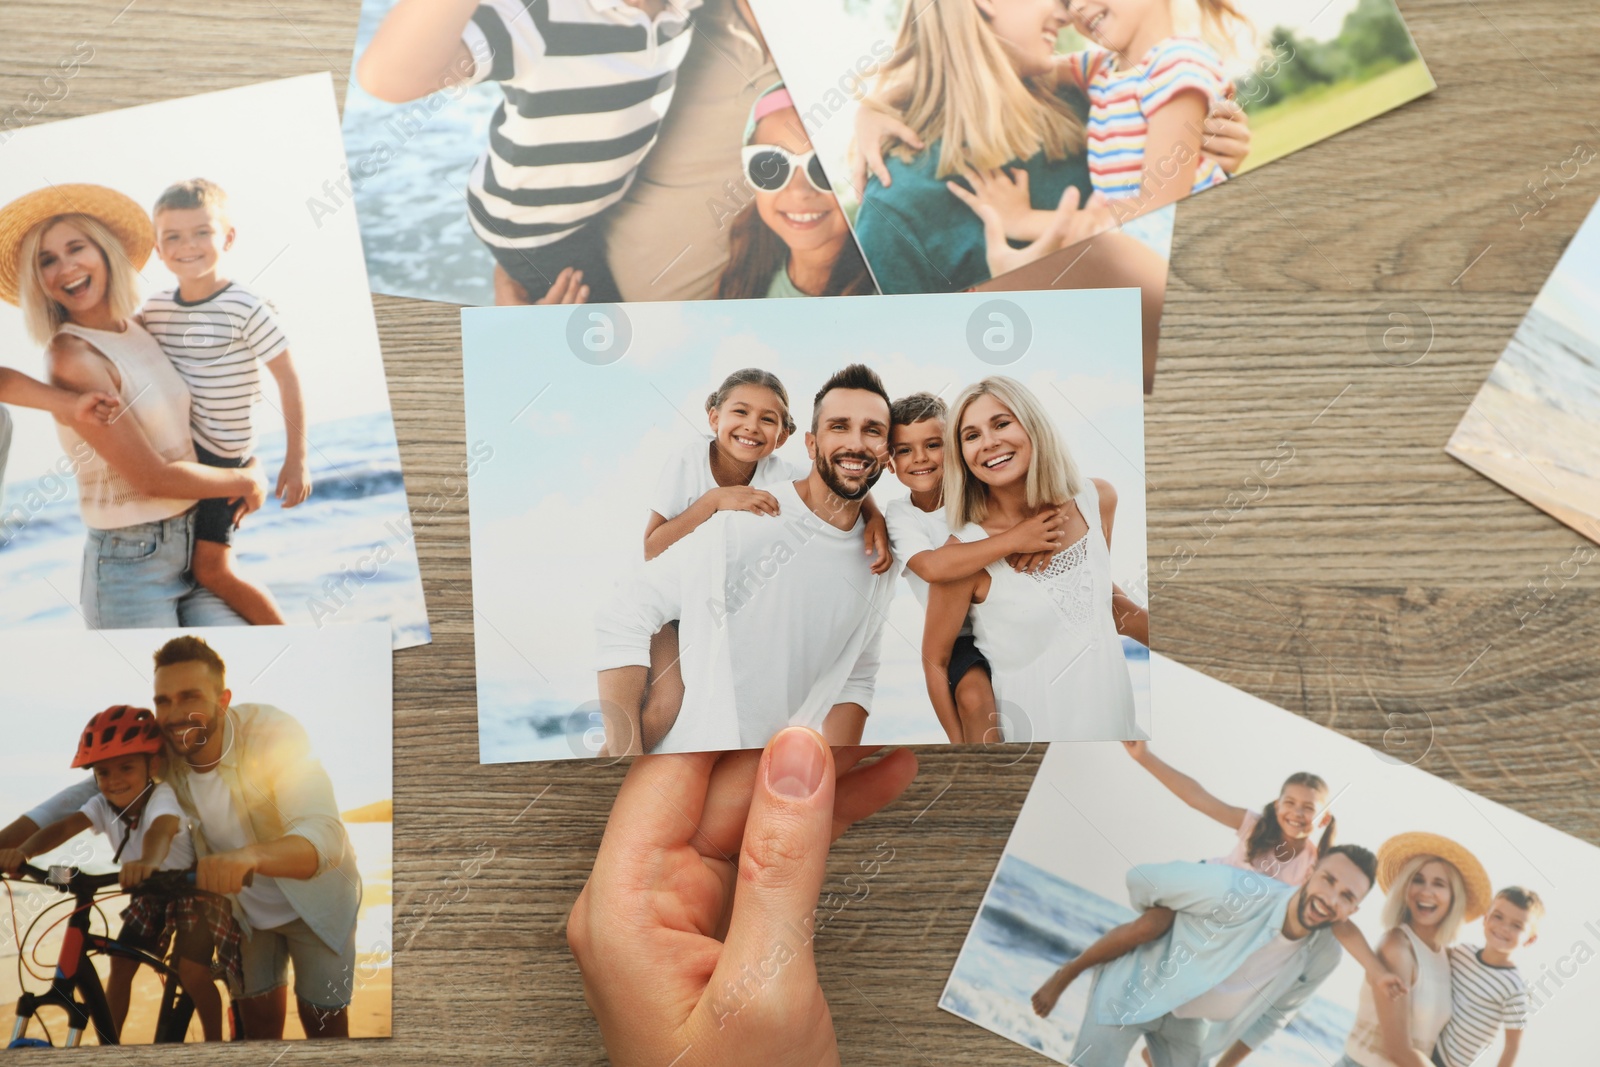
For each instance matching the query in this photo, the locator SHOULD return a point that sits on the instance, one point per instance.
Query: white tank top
(154, 396)
(1430, 1008)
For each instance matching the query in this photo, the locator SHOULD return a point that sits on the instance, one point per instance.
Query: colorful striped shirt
(1483, 998)
(1122, 101)
(587, 84)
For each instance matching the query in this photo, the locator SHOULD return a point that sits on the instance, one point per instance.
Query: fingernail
(797, 762)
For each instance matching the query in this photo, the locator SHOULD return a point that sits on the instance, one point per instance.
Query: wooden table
(1373, 585)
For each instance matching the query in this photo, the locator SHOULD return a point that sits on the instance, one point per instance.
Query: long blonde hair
(1053, 477)
(951, 81)
(1395, 910)
(1219, 17)
(42, 315)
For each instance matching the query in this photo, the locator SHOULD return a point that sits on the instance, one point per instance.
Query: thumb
(782, 863)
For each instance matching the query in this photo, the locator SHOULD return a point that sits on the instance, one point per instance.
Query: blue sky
(559, 509)
(1572, 294)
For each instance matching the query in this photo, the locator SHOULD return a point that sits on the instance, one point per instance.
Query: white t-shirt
(687, 477)
(1230, 997)
(163, 801)
(263, 903)
(912, 530)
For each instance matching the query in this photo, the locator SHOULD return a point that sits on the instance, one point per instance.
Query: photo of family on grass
(788, 468)
(1360, 912)
(152, 282)
(1534, 426)
(191, 782)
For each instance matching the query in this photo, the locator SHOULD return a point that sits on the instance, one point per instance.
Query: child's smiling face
(803, 217)
(916, 451)
(1507, 927)
(191, 240)
(122, 779)
(749, 424)
(1297, 810)
(1113, 24)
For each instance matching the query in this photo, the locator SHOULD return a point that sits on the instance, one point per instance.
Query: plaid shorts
(204, 925)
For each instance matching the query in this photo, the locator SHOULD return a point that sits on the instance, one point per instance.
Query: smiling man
(780, 616)
(268, 836)
(1244, 953)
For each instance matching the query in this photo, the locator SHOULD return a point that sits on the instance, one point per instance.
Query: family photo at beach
(907, 546)
(195, 427)
(1362, 913)
(213, 794)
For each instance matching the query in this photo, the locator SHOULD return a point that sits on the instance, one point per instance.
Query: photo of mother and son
(153, 400)
(761, 598)
(1225, 952)
(234, 792)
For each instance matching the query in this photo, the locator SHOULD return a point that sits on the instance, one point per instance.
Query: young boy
(918, 534)
(1486, 989)
(68, 407)
(587, 85)
(217, 334)
(147, 826)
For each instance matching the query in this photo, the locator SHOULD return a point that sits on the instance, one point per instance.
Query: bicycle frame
(76, 986)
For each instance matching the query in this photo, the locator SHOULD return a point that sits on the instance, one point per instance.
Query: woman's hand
(691, 931)
(1225, 135)
(254, 496)
(1137, 749)
(568, 288)
(743, 498)
(873, 129)
(1069, 224)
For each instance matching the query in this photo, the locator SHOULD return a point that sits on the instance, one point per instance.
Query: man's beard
(192, 736)
(831, 478)
(1305, 918)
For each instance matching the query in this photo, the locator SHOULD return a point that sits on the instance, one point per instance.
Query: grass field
(1314, 116)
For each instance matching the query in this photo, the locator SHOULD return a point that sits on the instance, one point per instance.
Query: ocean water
(1553, 365)
(514, 726)
(1030, 923)
(409, 165)
(357, 511)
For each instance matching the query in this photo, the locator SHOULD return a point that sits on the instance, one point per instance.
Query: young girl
(1275, 841)
(749, 418)
(1149, 92)
(792, 238)
(150, 831)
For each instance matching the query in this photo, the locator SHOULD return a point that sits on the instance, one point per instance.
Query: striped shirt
(1483, 998)
(587, 84)
(1122, 101)
(218, 345)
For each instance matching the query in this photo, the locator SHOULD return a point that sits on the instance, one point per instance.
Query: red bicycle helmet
(121, 730)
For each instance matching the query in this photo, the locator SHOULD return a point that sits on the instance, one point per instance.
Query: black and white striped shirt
(218, 346)
(587, 84)
(1483, 998)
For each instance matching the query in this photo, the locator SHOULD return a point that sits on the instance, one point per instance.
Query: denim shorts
(323, 978)
(138, 576)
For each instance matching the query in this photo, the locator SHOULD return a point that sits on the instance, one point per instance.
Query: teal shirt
(1223, 914)
(918, 238)
(782, 285)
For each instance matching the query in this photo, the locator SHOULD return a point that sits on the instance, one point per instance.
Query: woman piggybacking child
(150, 832)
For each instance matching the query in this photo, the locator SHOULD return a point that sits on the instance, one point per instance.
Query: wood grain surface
(1372, 582)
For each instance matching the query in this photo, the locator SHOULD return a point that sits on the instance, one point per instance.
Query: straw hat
(119, 212)
(1400, 849)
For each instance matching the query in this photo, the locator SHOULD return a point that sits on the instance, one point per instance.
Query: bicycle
(76, 986)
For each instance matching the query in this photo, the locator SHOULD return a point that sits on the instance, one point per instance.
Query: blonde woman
(1434, 886)
(969, 111)
(70, 257)
(1050, 634)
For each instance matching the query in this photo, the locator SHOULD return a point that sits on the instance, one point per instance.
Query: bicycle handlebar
(157, 882)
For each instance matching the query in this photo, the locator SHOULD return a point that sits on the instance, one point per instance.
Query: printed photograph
(195, 823)
(1534, 427)
(572, 152)
(897, 521)
(194, 421)
(968, 140)
(1251, 887)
